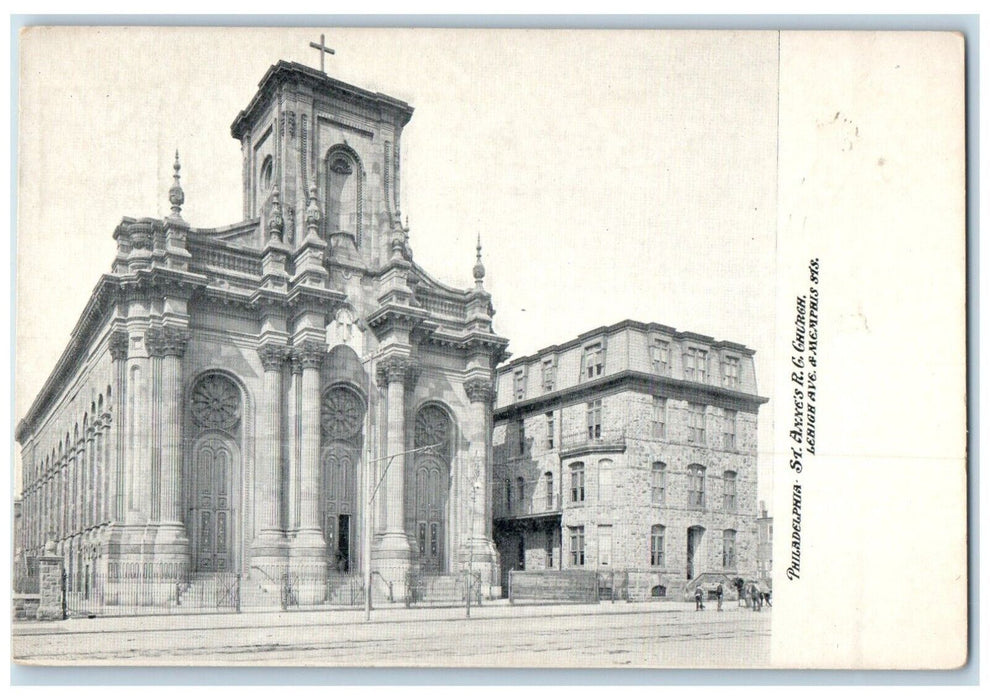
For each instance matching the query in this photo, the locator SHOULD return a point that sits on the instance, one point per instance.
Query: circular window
(433, 428)
(341, 414)
(216, 402)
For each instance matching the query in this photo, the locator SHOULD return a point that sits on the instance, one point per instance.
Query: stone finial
(175, 194)
(479, 268)
(275, 222)
(313, 214)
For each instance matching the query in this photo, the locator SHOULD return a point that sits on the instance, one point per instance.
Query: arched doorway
(431, 487)
(214, 473)
(342, 417)
(216, 459)
(695, 551)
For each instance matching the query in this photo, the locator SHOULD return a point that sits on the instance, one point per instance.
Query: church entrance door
(431, 500)
(338, 504)
(216, 462)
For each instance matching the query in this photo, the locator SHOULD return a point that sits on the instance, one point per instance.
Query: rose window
(216, 402)
(341, 414)
(433, 428)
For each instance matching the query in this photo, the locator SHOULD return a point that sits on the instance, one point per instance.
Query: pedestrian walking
(698, 604)
(718, 596)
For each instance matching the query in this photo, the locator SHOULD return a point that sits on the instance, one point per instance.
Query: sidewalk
(386, 614)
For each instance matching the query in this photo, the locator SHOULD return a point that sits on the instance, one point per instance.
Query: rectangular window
(550, 430)
(521, 432)
(659, 417)
(730, 372)
(593, 361)
(577, 483)
(549, 550)
(729, 492)
(548, 375)
(656, 545)
(695, 364)
(548, 478)
(729, 549)
(519, 385)
(577, 546)
(594, 419)
(729, 429)
(660, 354)
(658, 486)
(696, 423)
(604, 545)
(696, 486)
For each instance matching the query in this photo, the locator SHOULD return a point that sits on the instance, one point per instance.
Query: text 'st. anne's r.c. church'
(227, 392)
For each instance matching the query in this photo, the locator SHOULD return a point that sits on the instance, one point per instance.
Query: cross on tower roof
(323, 49)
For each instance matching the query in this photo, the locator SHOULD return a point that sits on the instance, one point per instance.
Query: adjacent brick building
(630, 449)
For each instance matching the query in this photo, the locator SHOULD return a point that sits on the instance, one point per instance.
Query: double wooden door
(216, 464)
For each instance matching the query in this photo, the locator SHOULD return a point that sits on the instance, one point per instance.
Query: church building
(231, 397)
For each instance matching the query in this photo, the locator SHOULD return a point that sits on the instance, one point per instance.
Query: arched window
(343, 192)
(341, 413)
(729, 549)
(548, 480)
(216, 403)
(267, 176)
(577, 482)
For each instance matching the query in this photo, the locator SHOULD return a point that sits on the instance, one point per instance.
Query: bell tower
(304, 130)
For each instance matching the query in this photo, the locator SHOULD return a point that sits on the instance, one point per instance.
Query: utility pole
(475, 487)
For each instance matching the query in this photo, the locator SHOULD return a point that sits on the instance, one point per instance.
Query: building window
(659, 417)
(729, 429)
(696, 486)
(267, 172)
(595, 419)
(730, 372)
(604, 545)
(660, 354)
(696, 423)
(550, 430)
(549, 550)
(658, 485)
(656, 545)
(521, 492)
(548, 375)
(521, 433)
(729, 492)
(508, 495)
(577, 482)
(605, 481)
(695, 364)
(729, 549)
(519, 385)
(593, 361)
(577, 546)
(548, 480)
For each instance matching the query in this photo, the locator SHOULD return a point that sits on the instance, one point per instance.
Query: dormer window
(593, 361)
(695, 364)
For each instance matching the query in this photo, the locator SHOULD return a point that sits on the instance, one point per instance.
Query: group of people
(750, 593)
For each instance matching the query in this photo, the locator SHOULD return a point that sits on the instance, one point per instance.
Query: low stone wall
(569, 586)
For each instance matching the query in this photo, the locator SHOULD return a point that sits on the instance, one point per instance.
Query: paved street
(605, 635)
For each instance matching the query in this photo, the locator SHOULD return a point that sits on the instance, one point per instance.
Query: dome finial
(479, 268)
(175, 194)
(275, 221)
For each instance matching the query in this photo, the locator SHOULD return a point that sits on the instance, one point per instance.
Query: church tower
(306, 133)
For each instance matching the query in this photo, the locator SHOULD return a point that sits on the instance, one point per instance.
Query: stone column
(394, 552)
(268, 548)
(480, 548)
(167, 344)
(92, 483)
(50, 568)
(309, 548)
(119, 343)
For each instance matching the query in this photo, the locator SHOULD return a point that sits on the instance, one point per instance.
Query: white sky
(611, 175)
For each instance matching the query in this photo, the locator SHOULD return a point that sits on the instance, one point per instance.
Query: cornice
(635, 381)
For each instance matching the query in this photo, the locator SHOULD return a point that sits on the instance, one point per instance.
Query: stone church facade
(229, 396)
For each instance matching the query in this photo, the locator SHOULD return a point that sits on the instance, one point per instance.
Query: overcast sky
(611, 175)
